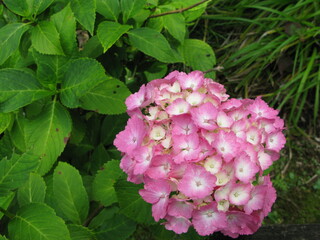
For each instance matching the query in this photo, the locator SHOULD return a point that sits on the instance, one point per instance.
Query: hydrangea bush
(200, 154)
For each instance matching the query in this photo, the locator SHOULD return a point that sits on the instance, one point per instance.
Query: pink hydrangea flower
(200, 154)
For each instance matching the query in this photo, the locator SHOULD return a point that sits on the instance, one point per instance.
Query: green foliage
(10, 36)
(154, 44)
(45, 38)
(70, 195)
(19, 88)
(66, 68)
(37, 221)
(32, 191)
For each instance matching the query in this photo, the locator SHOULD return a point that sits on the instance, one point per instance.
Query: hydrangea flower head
(200, 154)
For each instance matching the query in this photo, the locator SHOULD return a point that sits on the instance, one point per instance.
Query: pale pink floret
(157, 193)
(231, 104)
(157, 132)
(160, 167)
(180, 208)
(240, 194)
(218, 90)
(205, 116)
(183, 124)
(143, 156)
(245, 169)
(177, 107)
(253, 136)
(195, 98)
(208, 219)
(265, 160)
(213, 164)
(260, 109)
(275, 141)
(223, 120)
(240, 223)
(256, 201)
(270, 196)
(131, 138)
(196, 182)
(226, 145)
(185, 147)
(127, 163)
(136, 100)
(239, 128)
(193, 80)
(238, 114)
(177, 224)
(205, 149)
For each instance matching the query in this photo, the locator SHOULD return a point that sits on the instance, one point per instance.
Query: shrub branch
(178, 10)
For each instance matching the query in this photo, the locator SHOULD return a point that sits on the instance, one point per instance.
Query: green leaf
(110, 9)
(45, 38)
(78, 128)
(111, 126)
(156, 71)
(10, 36)
(193, 13)
(5, 201)
(106, 98)
(103, 189)
(176, 26)
(105, 214)
(109, 32)
(81, 76)
(5, 120)
(154, 44)
(65, 24)
(85, 13)
(193, 50)
(98, 158)
(37, 221)
(48, 133)
(70, 195)
(34, 190)
(18, 89)
(17, 133)
(19, 7)
(130, 8)
(38, 6)
(119, 227)
(131, 203)
(28, 8)
(93, 48)
(15, 172)
(78, 232)
(50, 68)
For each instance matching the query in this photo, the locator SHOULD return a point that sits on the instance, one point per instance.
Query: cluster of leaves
(66, 67)
(272, 49)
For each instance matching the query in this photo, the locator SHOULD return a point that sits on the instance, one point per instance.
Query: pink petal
(207, 220)
(240, 194)
(177, 224)
(178, 107)
(193, 80)
(196, 182)
(205, 116)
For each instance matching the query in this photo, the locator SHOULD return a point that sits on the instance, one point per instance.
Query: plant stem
(178, 10)
(93, 215)
(6, 213)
